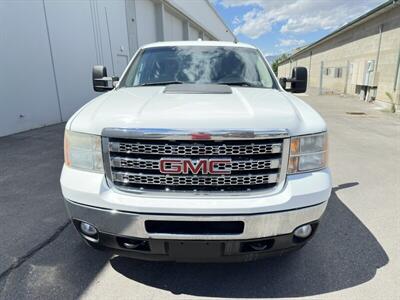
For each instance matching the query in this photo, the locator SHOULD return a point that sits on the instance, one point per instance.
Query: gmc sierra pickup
(197, 153)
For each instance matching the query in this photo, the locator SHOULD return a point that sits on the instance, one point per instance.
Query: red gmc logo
(203, 166)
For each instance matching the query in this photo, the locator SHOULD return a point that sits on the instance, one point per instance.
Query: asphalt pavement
(354, 255)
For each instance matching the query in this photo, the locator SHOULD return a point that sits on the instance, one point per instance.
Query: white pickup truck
(196, 154)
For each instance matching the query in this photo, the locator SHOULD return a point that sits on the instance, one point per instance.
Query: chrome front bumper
(129, 224)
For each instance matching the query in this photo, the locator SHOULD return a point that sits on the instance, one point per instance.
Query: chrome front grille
(254, 163)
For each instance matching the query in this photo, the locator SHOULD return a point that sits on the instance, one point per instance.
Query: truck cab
(197, 153)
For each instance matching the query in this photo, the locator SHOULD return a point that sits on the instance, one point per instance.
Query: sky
(279, 26)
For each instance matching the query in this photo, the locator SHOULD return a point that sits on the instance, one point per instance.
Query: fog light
(133, 244)
(130, 245)
(303, 231)
(88, 229)
(259, 246)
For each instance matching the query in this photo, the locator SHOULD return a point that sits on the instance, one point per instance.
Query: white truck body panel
(149, 107)
(299, 191)
(296, 200)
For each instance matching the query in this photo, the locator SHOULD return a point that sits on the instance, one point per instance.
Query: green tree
(277, 61)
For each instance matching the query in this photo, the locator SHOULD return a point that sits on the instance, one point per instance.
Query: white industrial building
(48, 48)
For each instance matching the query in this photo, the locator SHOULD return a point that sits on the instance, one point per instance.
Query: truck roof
(197, 43)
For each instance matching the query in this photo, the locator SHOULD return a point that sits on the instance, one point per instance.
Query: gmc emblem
(203, 166)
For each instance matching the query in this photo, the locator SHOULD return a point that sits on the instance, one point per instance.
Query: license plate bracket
(194, 249)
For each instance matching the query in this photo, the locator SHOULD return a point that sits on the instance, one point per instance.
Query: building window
(338, 72)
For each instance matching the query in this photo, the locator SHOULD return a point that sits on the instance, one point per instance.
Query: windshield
(193, 64)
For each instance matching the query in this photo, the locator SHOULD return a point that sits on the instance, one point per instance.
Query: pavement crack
(20, 260)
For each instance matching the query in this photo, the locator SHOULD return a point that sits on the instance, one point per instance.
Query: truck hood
(244, 108)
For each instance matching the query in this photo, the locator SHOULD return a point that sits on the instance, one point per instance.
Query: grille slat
(154, 164)
(132, 178)
(195, 149)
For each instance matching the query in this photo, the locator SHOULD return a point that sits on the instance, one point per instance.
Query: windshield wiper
(161, 83)
(239, 83)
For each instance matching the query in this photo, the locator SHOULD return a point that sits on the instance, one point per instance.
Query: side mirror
(282, 82)
(101, 82)
(298, 82)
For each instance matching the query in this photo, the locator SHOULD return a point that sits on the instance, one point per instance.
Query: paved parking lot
(355, 254)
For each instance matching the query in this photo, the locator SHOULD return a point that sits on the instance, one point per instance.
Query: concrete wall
(48, 48)
(146, 22)
(28, 93)
(350, 51)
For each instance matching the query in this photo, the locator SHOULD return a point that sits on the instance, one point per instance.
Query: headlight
(308, 153)
(83, 151)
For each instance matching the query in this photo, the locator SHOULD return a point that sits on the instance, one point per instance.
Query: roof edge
(222, 20)
(371, 12)
(197, 43)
